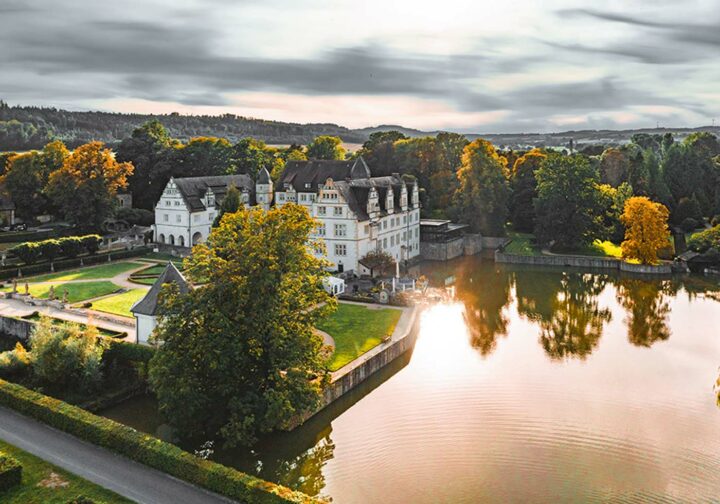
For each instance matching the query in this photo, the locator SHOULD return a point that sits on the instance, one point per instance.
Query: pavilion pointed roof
(149, 304)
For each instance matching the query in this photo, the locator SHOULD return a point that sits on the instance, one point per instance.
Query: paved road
(123, 476)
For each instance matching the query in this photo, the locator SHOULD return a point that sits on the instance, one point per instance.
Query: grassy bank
(45, 483)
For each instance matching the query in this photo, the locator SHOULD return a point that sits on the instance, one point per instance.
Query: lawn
(357, 329)
(76, 291)
(45, 483)
(119, 304)
(521, 244)
(144, 281)
(108, 270)
(601, 249)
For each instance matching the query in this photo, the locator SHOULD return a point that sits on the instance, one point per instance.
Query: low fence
(575, 261)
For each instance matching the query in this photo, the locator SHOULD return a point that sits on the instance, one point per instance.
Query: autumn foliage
(646, 229)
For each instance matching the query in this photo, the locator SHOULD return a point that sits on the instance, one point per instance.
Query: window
(404, 219)
(196, 218)
(302, 196)
(392, 241)
(384, 224)
(340, 249)
(166, 217)
(321, 210)
(337, 211)
(404, 236)
(321, 230)
(340, 230)
(178, 218)
(168, 203)
(367, 229)
(384, 243)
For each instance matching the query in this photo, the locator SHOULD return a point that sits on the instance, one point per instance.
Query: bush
(689, 224)
(50, 249)
(10, 472)
(144, 448)
(66, 355)
(128, 352)
(28, 252)
(705, 240)
(136, 216)
(91, 243)
(71, 246)
(715, 221)
(14, 361)
(687, 208)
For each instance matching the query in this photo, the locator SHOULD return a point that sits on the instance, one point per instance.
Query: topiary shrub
(689, 224)
(29, 252)
(50, 249)
(91, 243)
(71, 246)
(10, 472)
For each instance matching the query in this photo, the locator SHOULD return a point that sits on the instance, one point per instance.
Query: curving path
(123, 476)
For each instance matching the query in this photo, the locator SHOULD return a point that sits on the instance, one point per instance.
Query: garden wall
(582, 262)
(16, 327)
(433, 251)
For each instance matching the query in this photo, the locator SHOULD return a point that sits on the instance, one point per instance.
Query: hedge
(10, 472)
(128, 352)
(146, 449)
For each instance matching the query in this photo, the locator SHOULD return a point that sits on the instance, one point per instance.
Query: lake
(534, 385)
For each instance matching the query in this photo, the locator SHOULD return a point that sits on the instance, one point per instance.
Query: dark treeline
(24, 128)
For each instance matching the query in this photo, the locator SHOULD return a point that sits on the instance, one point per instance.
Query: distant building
(358, 212)
(124, 200)
(145, 310)
(188, 206)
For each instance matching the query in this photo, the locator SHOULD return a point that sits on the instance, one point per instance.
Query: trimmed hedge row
(49, 250)
(146, 449)
(10, 472)
(36, 269)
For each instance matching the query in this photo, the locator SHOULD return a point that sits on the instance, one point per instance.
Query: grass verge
(357, 329)
(45, 483)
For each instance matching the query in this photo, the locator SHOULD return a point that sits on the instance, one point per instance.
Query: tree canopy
(646, 229)
(240, 355)
(326, 147)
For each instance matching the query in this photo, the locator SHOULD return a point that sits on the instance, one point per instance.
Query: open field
(357, 329)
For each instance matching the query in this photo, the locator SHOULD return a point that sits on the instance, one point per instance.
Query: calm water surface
(534, 386)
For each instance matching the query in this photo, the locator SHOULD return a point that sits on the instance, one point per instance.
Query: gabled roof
(193, 189)
(263, 176)
(149, 304)
(357, 192)
(305, 176)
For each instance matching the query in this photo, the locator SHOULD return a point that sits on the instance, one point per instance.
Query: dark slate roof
(263, 176)
(356, 193)
(149, 304)
(305, 176)
(193, 189)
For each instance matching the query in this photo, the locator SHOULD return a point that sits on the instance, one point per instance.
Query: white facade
(348, 236)
(144, 326)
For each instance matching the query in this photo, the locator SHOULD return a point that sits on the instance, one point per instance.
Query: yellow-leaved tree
(646, 229)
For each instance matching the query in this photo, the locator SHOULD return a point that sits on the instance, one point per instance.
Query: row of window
(197, 217)
(337, 211)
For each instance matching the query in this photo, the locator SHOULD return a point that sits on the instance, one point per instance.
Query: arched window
(172, 239)
(196, 238)
(181, 241)
(161, 238)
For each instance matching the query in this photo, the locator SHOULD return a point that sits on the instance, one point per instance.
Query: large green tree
(524, 190)
(240, 355)
(326, 147)
(568, 205)
(84, 188)
(379, 152)
(250, 156)
(483, 192)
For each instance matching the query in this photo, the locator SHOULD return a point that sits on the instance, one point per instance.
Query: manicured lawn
(108, 270)
(119, 304)
(160, 256)
(356, 329)
(76, 291)
(144, 281)
(44, 483)
(521, 244)
(602, 249)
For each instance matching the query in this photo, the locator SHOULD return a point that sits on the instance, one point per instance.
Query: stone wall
(432, 251)
(494, 242)
(472, 244)
(583, 262)
(16, 327)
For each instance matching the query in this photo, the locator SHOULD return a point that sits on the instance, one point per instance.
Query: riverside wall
(16, 327)
(583, 262)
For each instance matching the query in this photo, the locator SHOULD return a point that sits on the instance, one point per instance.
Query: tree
(379, 151)
(230, 204)
(91, 243)
(66, 355)
(568, 205)
(202, 157)
(378, 261)
(84, 188)
(612, 203)
(28, 252)
(524, 190)
(646, 229)
(50, 249)
(483, 192)
(250, 156)
(148, 146)
(614, 167)
(326, 147)
(240, 355)
(682, 171)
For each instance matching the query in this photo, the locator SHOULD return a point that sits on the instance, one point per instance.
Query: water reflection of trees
(305, 472)
(566, 308)
(648, 306)
(484, 289)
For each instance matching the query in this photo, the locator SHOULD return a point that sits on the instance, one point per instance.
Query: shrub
(10, 472)
(91, 243)
(704, 240)
(687, 207)
(66, 355)
(145, 449)
(138, 216)
(28, 252)
(715, 221)
(50, 249)
(128, 352)
(689, 224)
(14, 361)
(71, 246)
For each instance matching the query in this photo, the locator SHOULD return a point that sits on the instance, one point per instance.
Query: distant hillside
(25, 127)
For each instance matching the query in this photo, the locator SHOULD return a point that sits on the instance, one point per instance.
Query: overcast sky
(470, 66)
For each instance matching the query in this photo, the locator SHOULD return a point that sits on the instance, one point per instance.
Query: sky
(468, 66)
